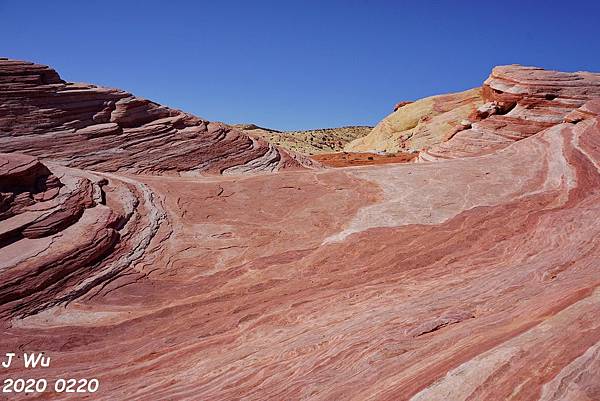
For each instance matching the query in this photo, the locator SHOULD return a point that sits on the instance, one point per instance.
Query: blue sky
(296, 64)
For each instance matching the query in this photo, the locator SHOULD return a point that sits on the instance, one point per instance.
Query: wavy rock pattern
(417, 125)
(471, 278)
(57, 239)
(520, 102)
(86, 126)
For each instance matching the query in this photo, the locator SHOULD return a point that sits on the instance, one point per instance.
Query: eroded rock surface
(86, 126)
(519, 102)
(515, 102)
(414, 126)
(471, 278)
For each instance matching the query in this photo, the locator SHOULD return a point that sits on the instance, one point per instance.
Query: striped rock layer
(104, 129)
(467, 278)
(515, 102)
(519, 102)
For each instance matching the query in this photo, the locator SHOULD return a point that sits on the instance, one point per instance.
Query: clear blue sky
(296, 64)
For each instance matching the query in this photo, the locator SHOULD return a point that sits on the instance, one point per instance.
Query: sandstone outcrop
(417, 125)
(467, 278)
(514, 102)
(519, 102)
(38, 211)
(86, 126)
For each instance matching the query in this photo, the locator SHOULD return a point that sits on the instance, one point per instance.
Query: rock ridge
(87, 126)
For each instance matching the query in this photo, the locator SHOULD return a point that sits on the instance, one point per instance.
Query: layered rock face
(60, 237)
(519, 102)
(417, 125)
(467, 278)
(86, 126)
(514, 102)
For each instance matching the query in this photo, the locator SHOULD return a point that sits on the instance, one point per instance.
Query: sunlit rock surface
(417, 125)
(469, 278)
(520, 102)
(86, 126)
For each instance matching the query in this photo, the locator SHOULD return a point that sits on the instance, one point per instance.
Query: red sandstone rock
(521, 101)
(36, 218)
(23, 181)
(468, 278)
(98, 130)
(447, 318)
(590, 109)
(81, 125)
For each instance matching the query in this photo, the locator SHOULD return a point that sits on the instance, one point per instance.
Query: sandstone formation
(417, 125)
(86, 126)
(60, 234)
(519, 102)
(309, 142)
(514, 102)
(467, 278)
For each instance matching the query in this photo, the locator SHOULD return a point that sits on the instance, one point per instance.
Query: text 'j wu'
(30, 360)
